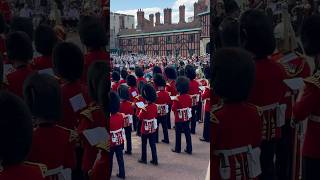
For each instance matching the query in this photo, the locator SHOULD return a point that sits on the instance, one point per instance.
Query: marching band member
(163, 101)
(236, 124)
(123, 74)
(181, 107)
(127, 109)
(269, 89)
(194, 93)
(117, 134)
(115, 80)
(16, 121)
(94, 37)
(307, 105)
(139, 74)
(147, 116)
(20, 53)
(43, 96)
(171, 76)
(133, 91)
(45, 39)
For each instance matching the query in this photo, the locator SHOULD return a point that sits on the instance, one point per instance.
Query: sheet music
(96, 135)
(77, 102)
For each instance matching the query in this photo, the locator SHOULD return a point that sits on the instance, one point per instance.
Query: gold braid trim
(88, 111)
(213, 117)
(291, 72)
(314, 79)
(74, 136)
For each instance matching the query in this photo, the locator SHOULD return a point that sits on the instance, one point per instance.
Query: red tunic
(51, 146)
(122, 81)
(150, 112)
(183, 101)
(25, 170)
(234, 126)
(133, 91)
(42, 62)
(90, 118)
(171, 88)
(205, 96)
(115, 86)
(163, 97)
(268, 89)
(91, 57)
(16, 79)
(127, 108)
(307, 106)
(5, 10)
(141, 79)
(193, 87)
(101, 168)
(70, 118)
(116, 123)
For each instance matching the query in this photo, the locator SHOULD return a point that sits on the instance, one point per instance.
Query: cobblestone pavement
(171, 166)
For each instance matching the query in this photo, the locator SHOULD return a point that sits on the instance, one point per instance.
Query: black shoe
(128, 152)
(142, 161)
(165, 141)
(188, 152)
(154, 162)
(173, 150)
(203, 139)
(121, 176)
(157, 142)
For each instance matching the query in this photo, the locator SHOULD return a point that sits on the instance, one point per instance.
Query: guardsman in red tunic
(236, 124)
(194, 92)
(163, 102)
(92, 116)
(68, 65)
(181, 107)
(124, 74)
(308, 106)
(133, 93)
(171, 75)
(269, 89)
(147, 116)
(5, 10)
(139, 73)
(117, 134)
(43, 95)
(16, 140)
(127, 108)
(115, 78)
(296, 66)
(45, 39)
(94, 37)
(20, 53)
(138, 99)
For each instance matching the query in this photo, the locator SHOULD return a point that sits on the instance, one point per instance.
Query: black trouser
(77, 173)
(128, 131)
(134, 122)
(310, 168)
(198, 111)
(206, 127)
(183, 126)
(168, 118)
(268, 149)
(139, 124)
(194, 119)
(163, 121)
(119, 154)
(152, 143)
(284, 152)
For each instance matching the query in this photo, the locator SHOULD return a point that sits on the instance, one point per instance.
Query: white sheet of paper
(96, 135)
(48, 71)
(202, 88)
(77, 102)
(173, 98)
(294, 83)
(134, 94)
(66, 174)
(140, 105)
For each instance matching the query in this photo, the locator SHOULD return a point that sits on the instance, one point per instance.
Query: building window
(191, 52)
(177, 39)
(129, 42)
(191, 38)
(169, 52)
(157, 52)
(168, 39)
(156, 40)
(140, 41)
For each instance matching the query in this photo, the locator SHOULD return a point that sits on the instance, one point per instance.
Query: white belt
(231, 152)
(269, 107)
(315, 118)
(114, 132)
(149, 120)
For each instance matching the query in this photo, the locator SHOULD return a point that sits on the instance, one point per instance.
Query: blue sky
(152, 6)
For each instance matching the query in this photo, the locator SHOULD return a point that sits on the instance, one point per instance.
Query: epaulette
(292, 70)
(42, 167)
(74, 136)
(88, 112)
(314, 79)
(214, 109)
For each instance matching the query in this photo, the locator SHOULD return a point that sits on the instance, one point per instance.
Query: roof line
(203, 13)
(162, 32)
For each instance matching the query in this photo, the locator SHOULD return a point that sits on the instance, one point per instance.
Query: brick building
(183, 39)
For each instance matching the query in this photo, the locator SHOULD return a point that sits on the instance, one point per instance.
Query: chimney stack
(167, 16)
(195, 10)
(151, 19)
(182, 14)
(140, 19)
(157, 19)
